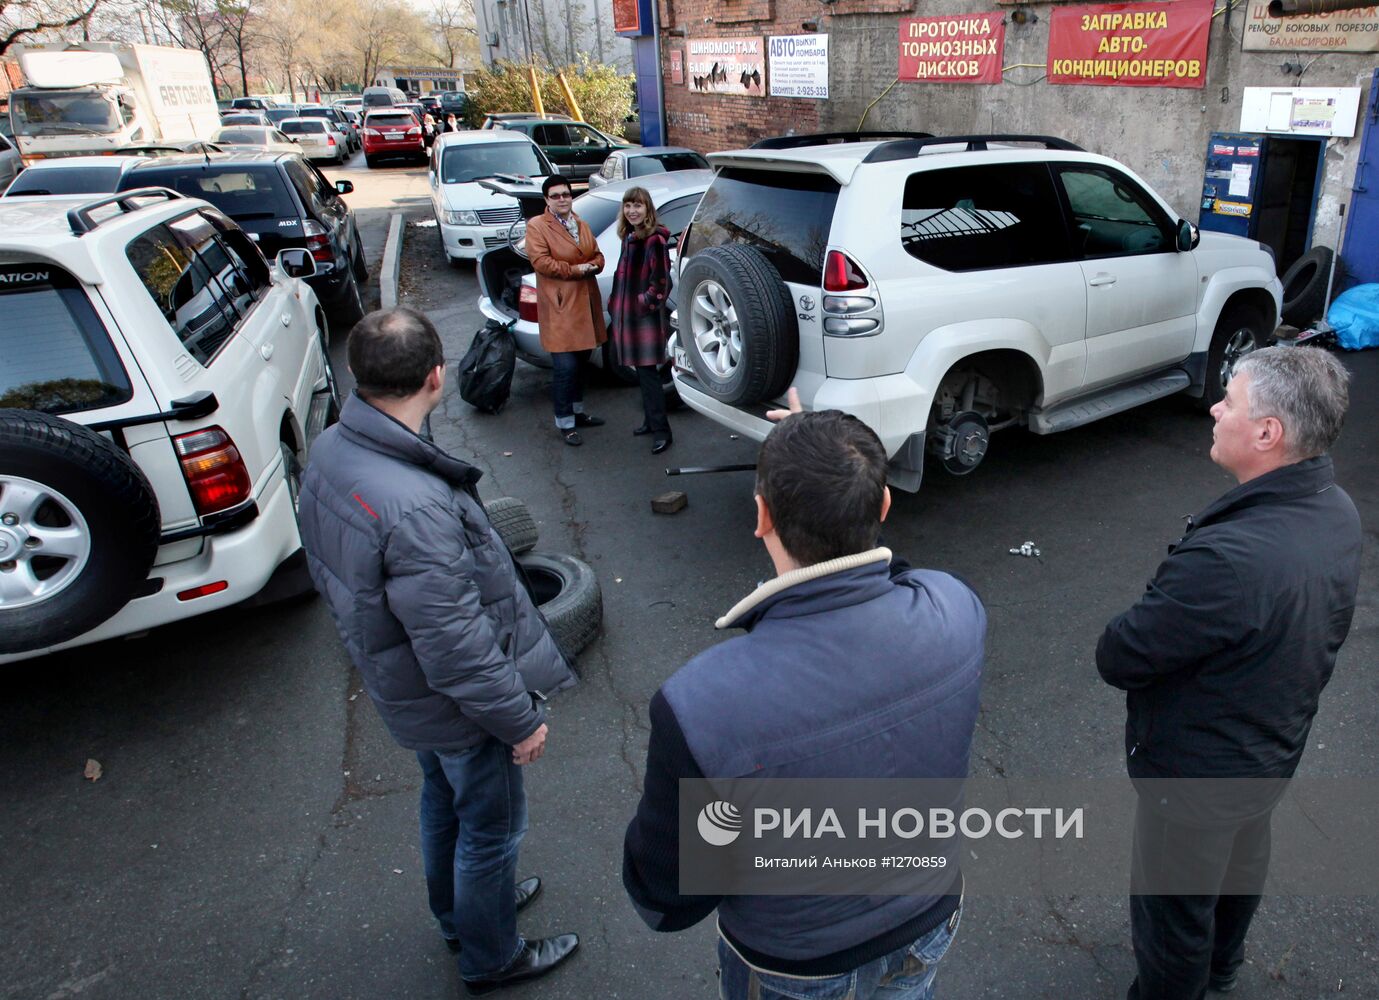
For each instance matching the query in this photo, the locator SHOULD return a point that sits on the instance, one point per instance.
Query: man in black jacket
(1223, 661)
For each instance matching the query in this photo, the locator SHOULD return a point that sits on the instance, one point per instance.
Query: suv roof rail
(79, 218)
(905, 148)
(829, 138)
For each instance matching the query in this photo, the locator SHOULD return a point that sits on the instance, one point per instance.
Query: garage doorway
(1264, 187)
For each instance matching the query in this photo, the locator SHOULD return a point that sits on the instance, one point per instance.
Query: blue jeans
(905, 974)
(473, 816)
(567, 388)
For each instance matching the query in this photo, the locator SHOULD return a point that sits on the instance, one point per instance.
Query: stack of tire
(567, 592)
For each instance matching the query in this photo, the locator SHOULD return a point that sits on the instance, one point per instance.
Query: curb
(391, 271)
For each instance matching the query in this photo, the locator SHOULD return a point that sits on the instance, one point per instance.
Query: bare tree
(239, 20)
(193, 24)
(21, 20)
(455, 27)
(283, 33)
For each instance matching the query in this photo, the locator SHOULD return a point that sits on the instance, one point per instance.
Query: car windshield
(253, 119)
(65, 180)
(640, 166)
(400, 119)
(302, 128)
(63, 111)
(55, 356)
(470, 162)
(238, 191)
(600, 213)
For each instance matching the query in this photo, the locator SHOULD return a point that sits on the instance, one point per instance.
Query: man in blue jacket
(450, 646)
(853, 666)
(1223, 661)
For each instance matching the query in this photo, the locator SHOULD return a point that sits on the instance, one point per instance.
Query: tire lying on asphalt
(569, 596)
(79, 526)
(513, 522)
(1304, 287)
(737, 324)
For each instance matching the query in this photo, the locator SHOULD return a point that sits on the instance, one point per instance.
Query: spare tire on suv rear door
(79, 526)
(737, 324)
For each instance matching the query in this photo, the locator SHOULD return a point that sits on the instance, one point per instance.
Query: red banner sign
(1131, 44)
(965, 48)
(627, 15)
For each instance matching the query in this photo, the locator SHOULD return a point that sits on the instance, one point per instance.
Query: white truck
(97, 96)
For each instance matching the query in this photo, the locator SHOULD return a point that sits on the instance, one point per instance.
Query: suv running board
(1103, 404)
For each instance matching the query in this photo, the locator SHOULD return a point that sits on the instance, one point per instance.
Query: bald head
(391, 351)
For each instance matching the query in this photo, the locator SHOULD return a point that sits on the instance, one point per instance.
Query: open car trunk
(501, 269)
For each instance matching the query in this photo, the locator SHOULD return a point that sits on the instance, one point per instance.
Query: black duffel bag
(486, 369)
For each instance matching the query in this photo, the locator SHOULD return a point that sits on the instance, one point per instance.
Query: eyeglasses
(553, 197)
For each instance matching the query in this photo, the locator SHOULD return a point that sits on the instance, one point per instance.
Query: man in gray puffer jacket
(451, 648)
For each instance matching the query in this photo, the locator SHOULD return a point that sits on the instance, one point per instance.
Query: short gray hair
(1305, 388)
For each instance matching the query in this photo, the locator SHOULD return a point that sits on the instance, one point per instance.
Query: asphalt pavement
(253, 834)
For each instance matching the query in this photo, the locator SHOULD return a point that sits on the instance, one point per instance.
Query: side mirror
(344, 187)
(296, 263)
(1188, 235)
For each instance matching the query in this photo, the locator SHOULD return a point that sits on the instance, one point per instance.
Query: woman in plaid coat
(637, 305)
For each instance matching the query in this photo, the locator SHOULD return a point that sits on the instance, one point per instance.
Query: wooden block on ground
(669, 503)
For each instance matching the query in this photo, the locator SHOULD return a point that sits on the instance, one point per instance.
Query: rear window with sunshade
(400, 119)
(241, 192)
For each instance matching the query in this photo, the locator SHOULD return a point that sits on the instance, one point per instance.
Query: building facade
(550, 32)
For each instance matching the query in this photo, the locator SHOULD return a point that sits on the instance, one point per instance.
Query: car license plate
(393, 135)
(681, 359)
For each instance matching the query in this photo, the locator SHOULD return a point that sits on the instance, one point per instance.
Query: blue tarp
(1355, 317)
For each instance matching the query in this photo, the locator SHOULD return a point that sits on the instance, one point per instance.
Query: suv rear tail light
(414, 130)
(373, 132)
(526, 304)
(318, 241)
(841, 274)
(330, 140)
(214, 470)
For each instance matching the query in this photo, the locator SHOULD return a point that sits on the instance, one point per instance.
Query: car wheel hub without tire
(965, 443)
(715, 328)
(44, 542)
(1242, 342)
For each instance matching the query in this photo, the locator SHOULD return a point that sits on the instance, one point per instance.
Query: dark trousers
(653, 400)
(567, 385)
(1182, 940)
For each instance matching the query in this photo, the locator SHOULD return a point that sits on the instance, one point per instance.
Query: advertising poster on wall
(627, 16)
(726, 66)
(799, 65)
(965, 48)
(1338, 31)
(1131, 44)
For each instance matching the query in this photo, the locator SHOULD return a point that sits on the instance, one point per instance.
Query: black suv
(576, 149)
(281, 201)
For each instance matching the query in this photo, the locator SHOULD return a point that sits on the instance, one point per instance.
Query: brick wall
(709, 122)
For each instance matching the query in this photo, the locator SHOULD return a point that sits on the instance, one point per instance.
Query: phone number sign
(799, 65)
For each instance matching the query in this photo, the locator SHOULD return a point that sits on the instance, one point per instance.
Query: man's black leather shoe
(585, 420)
(537, 958)
(1222, 984)
(527, 890)
(643, 429)
(661, 445)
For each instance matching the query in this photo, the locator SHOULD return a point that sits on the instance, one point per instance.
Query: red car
(392, 132)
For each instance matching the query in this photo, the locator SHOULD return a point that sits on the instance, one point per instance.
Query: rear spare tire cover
(569, 597)
(79, 526)
(737, 325)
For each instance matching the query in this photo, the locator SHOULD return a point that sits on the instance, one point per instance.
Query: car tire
(1304, 287)
(291, 581)
(370, 161)
(1240, 330)
(350, 309)
(513, 522)
(753, 358)
(569, 597)
(59, 477)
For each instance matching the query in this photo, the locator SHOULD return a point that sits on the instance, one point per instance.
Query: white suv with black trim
(159, 387)
(941, 288)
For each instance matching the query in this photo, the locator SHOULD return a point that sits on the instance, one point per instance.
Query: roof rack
(827, 138)
(79, 218)
(905, 148)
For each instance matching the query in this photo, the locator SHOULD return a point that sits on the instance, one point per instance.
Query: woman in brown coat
(563, 253)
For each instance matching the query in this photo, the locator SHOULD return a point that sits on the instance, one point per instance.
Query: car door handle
(266, 351)
(286, 319)
(1102, 279)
